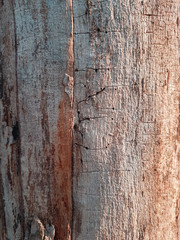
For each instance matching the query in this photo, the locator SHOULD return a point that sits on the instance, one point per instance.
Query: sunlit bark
(126, 162)
(89, 108)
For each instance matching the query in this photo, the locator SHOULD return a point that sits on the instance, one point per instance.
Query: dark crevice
(88, 148)
(150, 15)
(94, 69)
(1, 3)
(16, 130)
(95, 94)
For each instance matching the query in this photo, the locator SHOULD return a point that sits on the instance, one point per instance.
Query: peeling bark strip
(36, 104)
(40, 232)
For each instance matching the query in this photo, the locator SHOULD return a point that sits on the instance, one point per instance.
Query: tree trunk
(89, 109)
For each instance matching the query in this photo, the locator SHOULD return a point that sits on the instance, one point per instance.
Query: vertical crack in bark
(18, 140)
(72, 159)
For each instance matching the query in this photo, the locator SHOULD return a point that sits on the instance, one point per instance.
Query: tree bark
(37, 116)
(89, 108)
(126, 163)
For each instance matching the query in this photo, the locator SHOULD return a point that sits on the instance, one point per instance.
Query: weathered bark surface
(113, 66)
(126, 165)
(36, 116)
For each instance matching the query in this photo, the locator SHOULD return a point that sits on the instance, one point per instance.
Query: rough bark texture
(36, 117)
(126, 146)
(108, 72)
